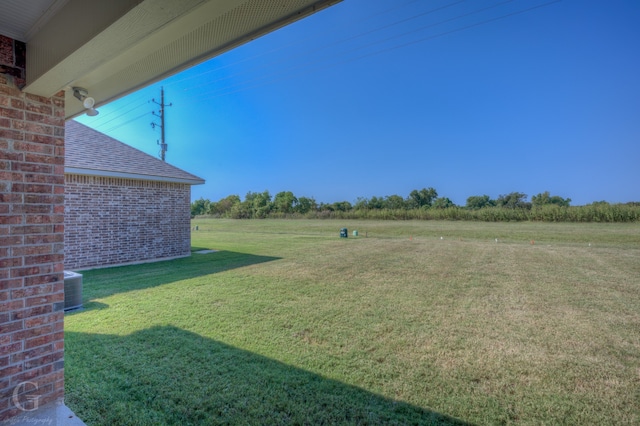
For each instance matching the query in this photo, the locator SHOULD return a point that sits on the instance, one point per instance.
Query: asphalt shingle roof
(90, 150)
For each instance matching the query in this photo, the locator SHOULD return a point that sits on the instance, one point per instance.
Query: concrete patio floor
(56, 414)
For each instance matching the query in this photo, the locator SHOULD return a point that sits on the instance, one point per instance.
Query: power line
(295, 43)
(117, 126)
(309, 53)
(122, 114)
(508, 15)
(291, 68)
(308, 67)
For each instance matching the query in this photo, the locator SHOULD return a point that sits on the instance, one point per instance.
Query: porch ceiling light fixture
(87, 101)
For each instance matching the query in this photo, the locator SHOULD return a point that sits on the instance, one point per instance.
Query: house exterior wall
(31, 243)
(113, 221)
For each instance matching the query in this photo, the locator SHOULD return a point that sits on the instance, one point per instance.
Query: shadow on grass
(99, 283)
(195, 248)
(166, 375)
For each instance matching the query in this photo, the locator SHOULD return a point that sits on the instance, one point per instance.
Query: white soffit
(20, 19)
(134, 176)
(114, 48)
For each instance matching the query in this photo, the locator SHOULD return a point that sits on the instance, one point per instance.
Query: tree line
(423, 204)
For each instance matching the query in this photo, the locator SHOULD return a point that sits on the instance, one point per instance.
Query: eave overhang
(133, 176)
(113, 48)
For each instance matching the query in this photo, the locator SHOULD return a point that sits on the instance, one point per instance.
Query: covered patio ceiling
(112, 48)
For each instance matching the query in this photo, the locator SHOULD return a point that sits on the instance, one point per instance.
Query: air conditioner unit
(72, 290)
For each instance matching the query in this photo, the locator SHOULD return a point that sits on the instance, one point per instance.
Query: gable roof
(89, 152)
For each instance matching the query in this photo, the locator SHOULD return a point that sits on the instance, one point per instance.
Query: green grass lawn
(409, 323)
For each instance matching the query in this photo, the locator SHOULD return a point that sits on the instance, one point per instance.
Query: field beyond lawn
(416, 322)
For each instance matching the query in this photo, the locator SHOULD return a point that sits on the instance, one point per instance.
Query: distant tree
(305, 205)
(342, 206)
(476, 202)
(361, 204)
(545, 198)
(422, 198)
(241, 210)
(513, 200)
(259, 203)
(442, 203)
(394, 202)
(285, 202)
(224, 206)
(200, 207)
(376, 202)
(325, 207)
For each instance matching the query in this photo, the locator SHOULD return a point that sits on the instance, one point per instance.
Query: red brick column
(31, 248)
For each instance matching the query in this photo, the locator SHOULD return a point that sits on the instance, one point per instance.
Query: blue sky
(380, 97)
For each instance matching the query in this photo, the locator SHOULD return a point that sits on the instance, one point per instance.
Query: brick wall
(112, 221)
(13, 60)
(31, 246)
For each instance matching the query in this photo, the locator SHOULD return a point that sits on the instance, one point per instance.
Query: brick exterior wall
(13, 60)
(31, 245)
(114, 221)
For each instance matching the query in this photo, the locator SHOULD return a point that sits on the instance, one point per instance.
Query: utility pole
(162, 142)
